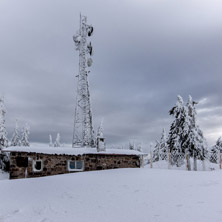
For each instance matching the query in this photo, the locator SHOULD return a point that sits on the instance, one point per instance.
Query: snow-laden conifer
(218, 145)
(3, 132)
(15, 141)
(156, 152)
(178, 131)
(185, 136)
(57, 141)
(215, 150)
(131, 145)
(100, 130)
(50, 141)
(139, 147)
(25, 136)
(195, 142)
(163, 147)
(100, 140)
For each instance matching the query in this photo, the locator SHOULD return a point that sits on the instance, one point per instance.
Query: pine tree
(185, 135)
(218, 145)
(156, 152)
(100, 130)
(139, 147)
(215, 150)
(178, 132)
(15, 141)
(131, 145)
(100, 140)
(57, 141)
(50, 141)
(3, 132)
(195, 142)
(163, 146)
(25, 136)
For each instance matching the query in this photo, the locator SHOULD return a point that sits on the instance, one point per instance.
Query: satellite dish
(89, 62)
(90, 48)
(77, 39)
(90, 30)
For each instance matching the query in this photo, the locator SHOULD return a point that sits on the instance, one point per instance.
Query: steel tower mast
(83, 134)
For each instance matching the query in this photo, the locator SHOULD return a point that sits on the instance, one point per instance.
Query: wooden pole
(169, 159)
(143, 161)
(220, 160)
(203, 163)
(151, 155)
(151, 159)
(187, 162)
(195, 162)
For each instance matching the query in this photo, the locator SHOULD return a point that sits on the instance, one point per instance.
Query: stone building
(27, 162)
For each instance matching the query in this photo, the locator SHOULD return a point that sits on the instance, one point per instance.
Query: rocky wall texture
(21, 163)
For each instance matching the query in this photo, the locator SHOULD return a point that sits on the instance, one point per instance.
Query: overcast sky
(146, 52)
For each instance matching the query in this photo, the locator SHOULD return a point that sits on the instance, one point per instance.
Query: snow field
(114, 195)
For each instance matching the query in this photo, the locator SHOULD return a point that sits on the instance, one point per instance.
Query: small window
(72, 165)
(37, 165)
(75, 165)
(79, 165)
(22, 161)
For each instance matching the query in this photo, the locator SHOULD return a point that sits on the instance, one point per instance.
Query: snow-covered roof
(69, 150)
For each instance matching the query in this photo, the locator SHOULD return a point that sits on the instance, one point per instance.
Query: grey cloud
(146, 52)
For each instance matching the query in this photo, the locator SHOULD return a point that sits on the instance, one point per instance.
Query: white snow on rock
(68, 150)
(114, 195)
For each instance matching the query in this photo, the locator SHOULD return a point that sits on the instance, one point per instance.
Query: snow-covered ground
(114, 195)
(3, 176)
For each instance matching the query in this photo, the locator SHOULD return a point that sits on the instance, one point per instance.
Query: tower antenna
(83, 134)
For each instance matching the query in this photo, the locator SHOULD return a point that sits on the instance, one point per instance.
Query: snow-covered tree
(185, 135)
(50, 141)
(163, 147)
(218, 145)
(3, 132)
(15, 141)
(156, 152)
(178, 131)
(195, 142)
(100, 140)
(139, 147)
(131, 145)
(215, 150)
(100, 130)
(57, 141)
(25, 136)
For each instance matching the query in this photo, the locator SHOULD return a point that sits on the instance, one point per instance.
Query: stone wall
(21, 163)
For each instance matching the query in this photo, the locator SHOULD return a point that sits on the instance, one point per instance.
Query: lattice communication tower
(83, 134)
